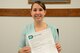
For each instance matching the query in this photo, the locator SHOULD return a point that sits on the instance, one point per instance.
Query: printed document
(42, 42)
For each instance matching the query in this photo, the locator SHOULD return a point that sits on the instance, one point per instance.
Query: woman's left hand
(58, 46)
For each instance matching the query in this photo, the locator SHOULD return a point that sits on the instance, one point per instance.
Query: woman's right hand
(26, 49)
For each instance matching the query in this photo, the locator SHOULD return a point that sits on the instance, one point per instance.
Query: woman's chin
(38, 20)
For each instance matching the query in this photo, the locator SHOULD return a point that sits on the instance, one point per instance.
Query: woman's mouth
(38, 15)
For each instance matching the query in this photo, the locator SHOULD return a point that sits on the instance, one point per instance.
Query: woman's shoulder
(51, 25)
(28, 28)
(29, 25)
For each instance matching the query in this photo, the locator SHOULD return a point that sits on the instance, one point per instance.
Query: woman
(38, 11)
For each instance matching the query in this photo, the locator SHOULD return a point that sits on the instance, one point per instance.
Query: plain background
(11, 28)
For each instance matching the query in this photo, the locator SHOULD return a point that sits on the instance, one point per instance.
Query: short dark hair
(40, 3)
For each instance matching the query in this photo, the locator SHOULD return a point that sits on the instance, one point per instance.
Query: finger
(26, 48)
(59, 49)
(27, 51)
(58, 45)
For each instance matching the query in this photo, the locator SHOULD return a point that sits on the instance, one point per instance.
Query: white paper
(42, 42)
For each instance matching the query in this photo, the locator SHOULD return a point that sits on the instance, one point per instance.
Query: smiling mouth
(38, 15)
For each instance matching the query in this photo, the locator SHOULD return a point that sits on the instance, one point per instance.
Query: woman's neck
(39, 24)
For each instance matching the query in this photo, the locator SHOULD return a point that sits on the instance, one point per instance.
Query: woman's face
(37, 12)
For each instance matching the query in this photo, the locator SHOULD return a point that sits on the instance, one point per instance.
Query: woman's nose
(37, 12)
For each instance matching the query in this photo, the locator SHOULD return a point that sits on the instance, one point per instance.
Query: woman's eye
(37, 10)
(40, 9)
(34, 10)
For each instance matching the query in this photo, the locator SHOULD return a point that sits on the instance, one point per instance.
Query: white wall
(12, 27)
(24, 4)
